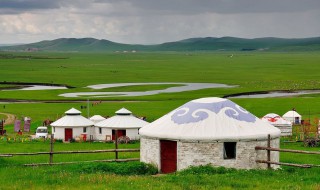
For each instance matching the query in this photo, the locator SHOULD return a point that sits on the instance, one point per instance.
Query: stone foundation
(203, 153)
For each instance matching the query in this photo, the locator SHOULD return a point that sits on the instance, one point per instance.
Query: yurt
(124, 123)
(71, 126)
(205, 131)
(277, 121)
(97, 118)
(293, 117)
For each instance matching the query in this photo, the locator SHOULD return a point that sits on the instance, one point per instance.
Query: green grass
(134, 175)
(252, 71)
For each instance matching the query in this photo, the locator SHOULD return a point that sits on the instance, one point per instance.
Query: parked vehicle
(42, 132)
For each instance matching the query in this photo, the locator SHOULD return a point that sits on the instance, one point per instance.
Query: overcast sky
(156, 21)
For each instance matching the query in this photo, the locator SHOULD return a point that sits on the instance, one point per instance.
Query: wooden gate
(168, 151)
(67, 134)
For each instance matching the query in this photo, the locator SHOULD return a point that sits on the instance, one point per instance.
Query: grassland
(250, 71)
(133, 175)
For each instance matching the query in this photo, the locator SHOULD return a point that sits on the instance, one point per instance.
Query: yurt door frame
(168, 156)
(67, 134)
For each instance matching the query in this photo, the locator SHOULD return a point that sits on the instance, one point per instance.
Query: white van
(42, 132)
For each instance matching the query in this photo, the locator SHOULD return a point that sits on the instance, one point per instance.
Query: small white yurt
(293, 117)
(97, 118)
(124, 123)
(205, 131)
(71, 126)
(277, 121)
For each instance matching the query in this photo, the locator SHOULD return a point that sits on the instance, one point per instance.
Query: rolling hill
(191, 44)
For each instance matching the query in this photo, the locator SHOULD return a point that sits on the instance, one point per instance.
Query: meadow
(251, 71)
(134, 175)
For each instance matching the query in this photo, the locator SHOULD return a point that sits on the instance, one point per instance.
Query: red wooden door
(168, 151)
(67, 134)
(120, 133)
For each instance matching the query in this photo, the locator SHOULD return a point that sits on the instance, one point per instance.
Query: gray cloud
(171, 6)
(20, 6)
(156, 21)
(29, 4)
(219, 6)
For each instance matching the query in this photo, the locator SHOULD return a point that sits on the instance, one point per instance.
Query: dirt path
(10, 118)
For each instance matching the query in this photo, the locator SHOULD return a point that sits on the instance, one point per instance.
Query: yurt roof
(275, 120)
(209, 119)
(97, 118)
(73, 111)
(291, 113)
(72, 119)
(122, 121)
(123, 111)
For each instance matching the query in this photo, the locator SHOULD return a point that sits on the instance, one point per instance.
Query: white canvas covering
(123, 111)
(209, 119)
(276, 120)
(123, 120)
(97, 118)
(291, 113)
(293, 117)
(72, 119)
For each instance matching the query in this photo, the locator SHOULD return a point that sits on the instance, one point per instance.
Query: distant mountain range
(192, 44)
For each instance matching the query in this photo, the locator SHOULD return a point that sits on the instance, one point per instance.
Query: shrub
(125, 168)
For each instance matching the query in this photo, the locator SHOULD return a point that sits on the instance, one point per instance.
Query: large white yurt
(71, 126)
(293, 117)
(277, 121)
(124, 123)
(205, 131)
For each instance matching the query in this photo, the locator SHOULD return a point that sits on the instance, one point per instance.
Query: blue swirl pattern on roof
(193, 112)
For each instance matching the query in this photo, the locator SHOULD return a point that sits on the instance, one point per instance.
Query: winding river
(184, 87)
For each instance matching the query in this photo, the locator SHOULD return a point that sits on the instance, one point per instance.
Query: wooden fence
(52, 152)
(269, 162)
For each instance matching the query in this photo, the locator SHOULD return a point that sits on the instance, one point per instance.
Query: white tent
(277, 121)
(207, 131)
(123, 122)
(223, 120)
(71, 126)
(97, 118)
(292, 116)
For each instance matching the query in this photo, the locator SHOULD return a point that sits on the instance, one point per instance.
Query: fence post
(116, 143)
(51, 149)
(269, 152)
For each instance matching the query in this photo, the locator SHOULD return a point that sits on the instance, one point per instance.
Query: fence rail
(88, 161)
(269, 162)
(68, 152)
(286, 150)
(52, 152)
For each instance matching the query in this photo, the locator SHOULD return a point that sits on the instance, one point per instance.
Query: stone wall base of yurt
(150, 151)
(285, 130)
(203, 153)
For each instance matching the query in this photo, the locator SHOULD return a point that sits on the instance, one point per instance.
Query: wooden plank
(269, 152)
(72, 152)
(5, 155)
(116, 144)
(285, 164)
(51, 149)
(286, 150)
(89, 161)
